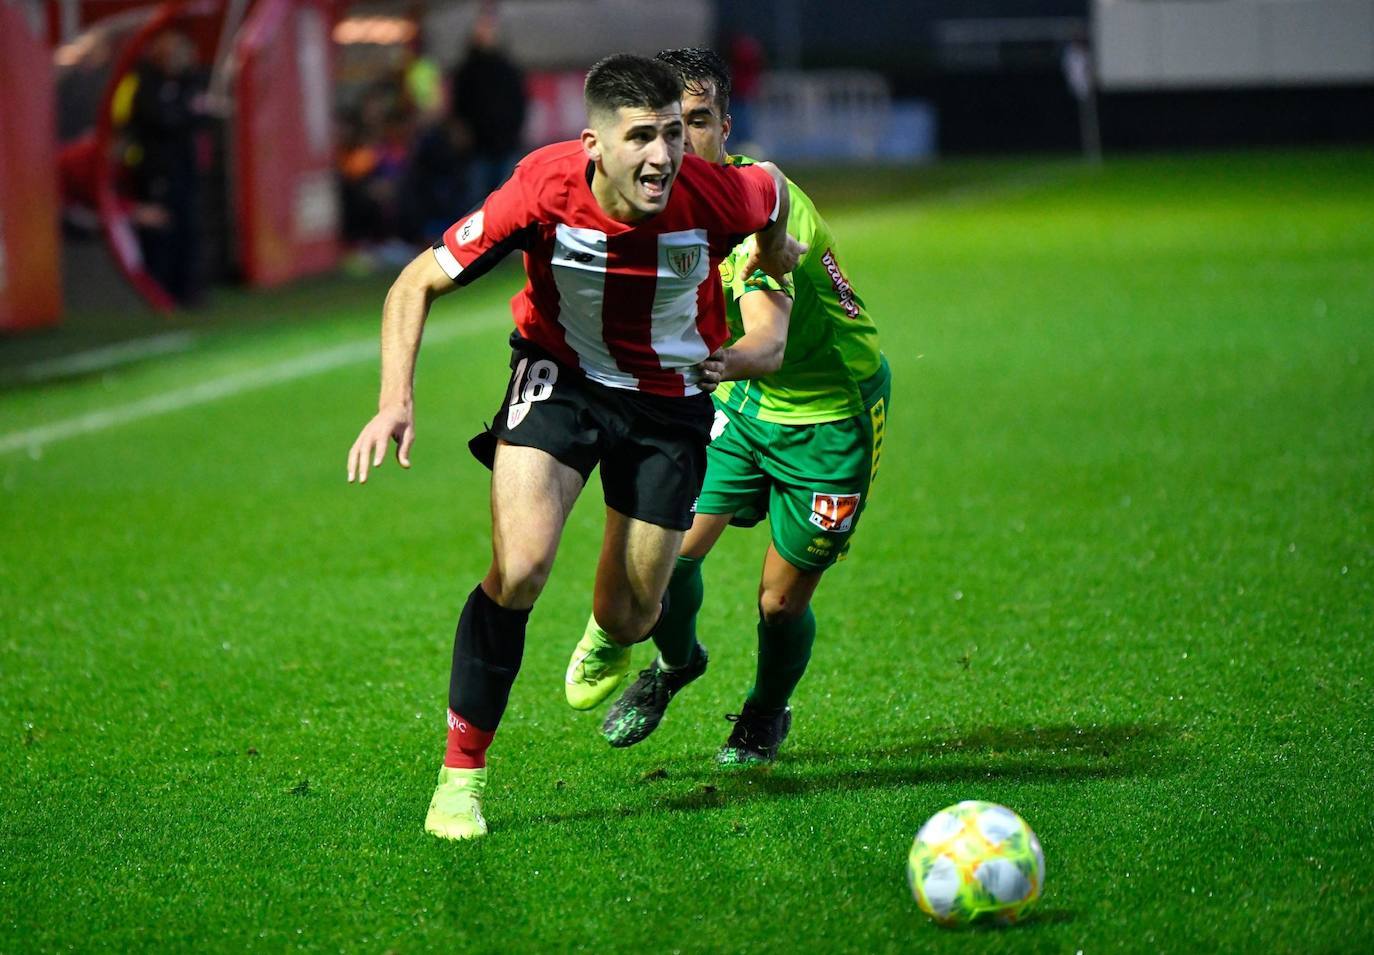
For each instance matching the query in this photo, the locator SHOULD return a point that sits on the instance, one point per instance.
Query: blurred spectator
(746, 70)
(165, 174)
(1077, 64)
(424, 86)
(489, 100)
(374, 154)
(435, 192)
(81, 85)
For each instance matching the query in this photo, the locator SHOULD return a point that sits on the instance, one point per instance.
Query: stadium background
(1117, 574)
(896, 83)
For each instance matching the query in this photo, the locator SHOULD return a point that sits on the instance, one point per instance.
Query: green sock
(784, 651)
(676, 633)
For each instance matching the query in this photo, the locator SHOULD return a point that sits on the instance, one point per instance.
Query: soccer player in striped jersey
(615, 350)
(798, 444)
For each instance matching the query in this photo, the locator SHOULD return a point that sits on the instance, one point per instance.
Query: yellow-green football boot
(455, 812)
(597, 667)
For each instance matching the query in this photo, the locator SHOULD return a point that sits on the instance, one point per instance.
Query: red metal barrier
(30, 280)
(286, 198)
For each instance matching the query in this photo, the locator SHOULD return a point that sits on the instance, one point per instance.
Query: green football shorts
(811, 481)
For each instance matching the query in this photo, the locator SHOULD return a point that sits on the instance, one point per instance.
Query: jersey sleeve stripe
(447, 262)
(492, 255)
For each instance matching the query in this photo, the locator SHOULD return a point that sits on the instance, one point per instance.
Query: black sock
(487, 650)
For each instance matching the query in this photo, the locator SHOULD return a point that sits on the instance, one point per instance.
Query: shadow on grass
(1117, 744)
(1048, 917)
(1035, 917)
(1016, 754)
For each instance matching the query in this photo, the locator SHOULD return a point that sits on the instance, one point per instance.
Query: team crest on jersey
(834, 512)
(472, 229)
(684, 261)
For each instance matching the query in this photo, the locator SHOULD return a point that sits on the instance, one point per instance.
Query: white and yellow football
(975, 861)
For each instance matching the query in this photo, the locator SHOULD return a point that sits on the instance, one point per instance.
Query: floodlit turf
(1117, 574)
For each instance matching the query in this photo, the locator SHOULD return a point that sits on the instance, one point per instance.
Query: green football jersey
(832, 343)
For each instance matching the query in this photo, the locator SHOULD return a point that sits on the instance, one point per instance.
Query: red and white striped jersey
(634, 306)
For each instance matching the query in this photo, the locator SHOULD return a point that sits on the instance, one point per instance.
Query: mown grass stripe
(108, 356)
(290, 370)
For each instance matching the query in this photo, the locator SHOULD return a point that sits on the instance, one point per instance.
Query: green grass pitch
(1118, 574)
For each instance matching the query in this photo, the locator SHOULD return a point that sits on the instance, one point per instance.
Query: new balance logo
(574, 256)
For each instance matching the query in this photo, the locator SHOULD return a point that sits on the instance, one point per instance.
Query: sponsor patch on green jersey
(832, 343)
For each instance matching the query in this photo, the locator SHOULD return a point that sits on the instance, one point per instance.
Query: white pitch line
(98, 359)
(302, 367)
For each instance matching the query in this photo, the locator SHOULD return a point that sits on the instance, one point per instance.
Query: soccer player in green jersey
(799, 427)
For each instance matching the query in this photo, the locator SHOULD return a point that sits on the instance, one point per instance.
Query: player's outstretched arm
(758, 353)
(776, 253)
(403, 321)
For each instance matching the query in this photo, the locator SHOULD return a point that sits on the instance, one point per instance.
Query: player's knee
(519, 579)
(779, 606)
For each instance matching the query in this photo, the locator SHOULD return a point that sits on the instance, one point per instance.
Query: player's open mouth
(654, 186)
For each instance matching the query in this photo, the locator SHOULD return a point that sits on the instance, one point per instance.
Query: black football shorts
(652, 449)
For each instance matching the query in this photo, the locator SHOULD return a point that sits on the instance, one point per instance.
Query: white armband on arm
(447, 262)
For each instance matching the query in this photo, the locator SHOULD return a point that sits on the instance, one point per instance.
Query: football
(975, 861)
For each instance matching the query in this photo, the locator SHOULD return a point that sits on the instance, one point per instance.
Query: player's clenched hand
(777, 261)
(712, 370)
(393, 422)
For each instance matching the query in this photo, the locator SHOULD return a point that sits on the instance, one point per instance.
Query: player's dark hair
(623, 79)
(701, 70)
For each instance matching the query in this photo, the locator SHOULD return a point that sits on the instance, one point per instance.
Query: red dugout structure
(271, 88)
(30, 285)
(286, 201)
